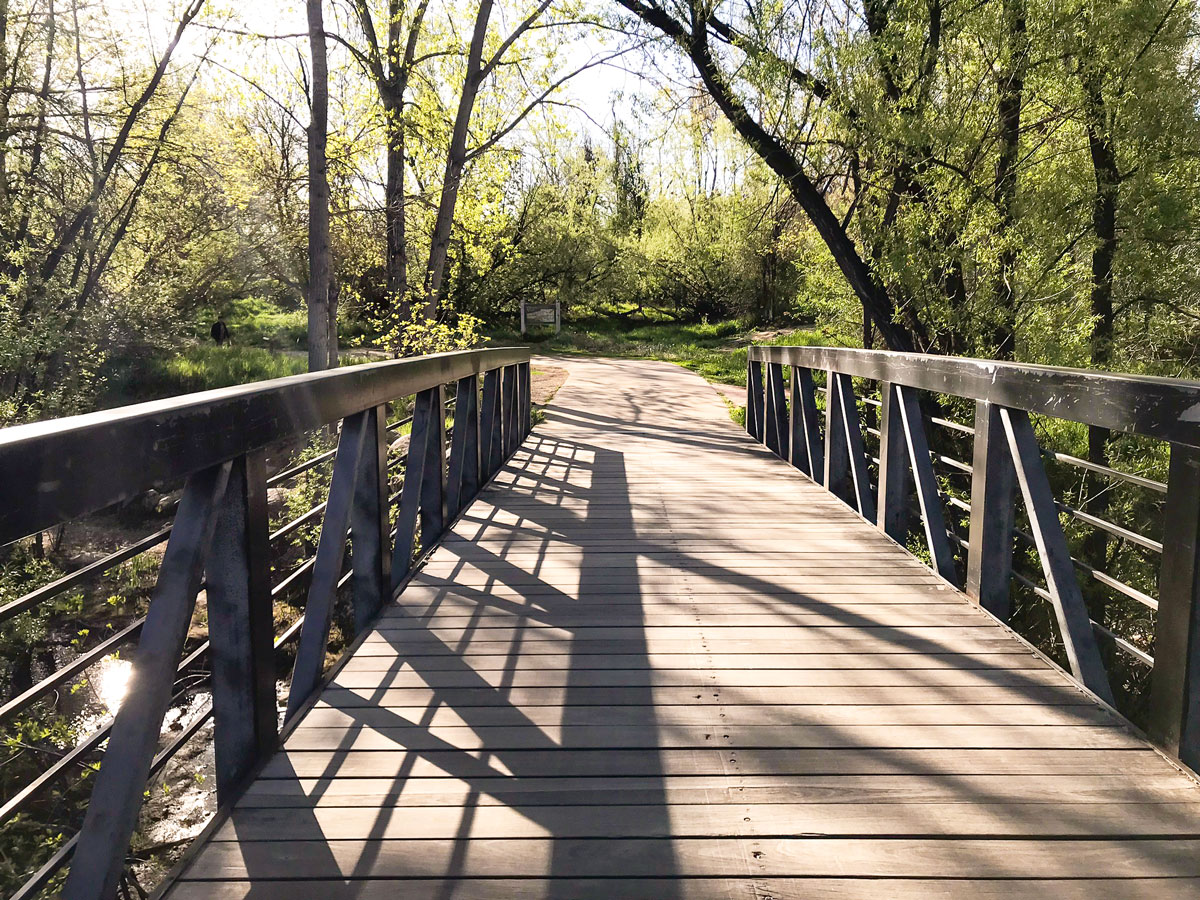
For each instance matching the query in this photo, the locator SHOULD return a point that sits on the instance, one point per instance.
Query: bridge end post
(1174, 718)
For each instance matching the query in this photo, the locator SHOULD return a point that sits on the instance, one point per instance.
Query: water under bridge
(639, 653)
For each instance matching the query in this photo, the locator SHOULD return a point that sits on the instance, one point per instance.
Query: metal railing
(220, 541)
(830, 446)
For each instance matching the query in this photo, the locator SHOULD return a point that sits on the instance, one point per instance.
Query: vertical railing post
(433, 480)
(837, 480)
(754, 399)
(241, 627)
(933, 519)
(527, 397)
(852, 452)
(1074, 625)
(463, 482)
(508, 411)
(327, 564)
(370, 527)
(990, 543)
(1174, 718)
(424, 451)
(489, 425)
(776, 415)
(116, 800)
(805, 443)
(894, 480)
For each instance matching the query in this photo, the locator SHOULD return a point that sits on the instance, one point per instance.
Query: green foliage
(716, 350)
(416, 335)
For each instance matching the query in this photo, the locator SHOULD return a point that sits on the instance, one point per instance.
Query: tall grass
(198, 368)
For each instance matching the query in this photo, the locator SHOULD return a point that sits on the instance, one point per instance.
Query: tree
(322, 310)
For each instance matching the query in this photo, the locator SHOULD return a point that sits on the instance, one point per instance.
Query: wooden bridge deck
(654, 662)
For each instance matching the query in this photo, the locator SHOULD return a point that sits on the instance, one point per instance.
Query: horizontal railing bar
(54, 588)
(1139, 480)
(1032, 585)
(39, 879)
(302, 467)
(71, 670)
(289, 634)
(14, 804)
(953, 463)
(1136, 652)
(1102, 577)
(1115, 530)
(1096, 626)
(953, 426)
(1119, 586)
(326, 456)
(165, 755)
(55, 471)
(284, 586)
(1138, 404)
(298, 522)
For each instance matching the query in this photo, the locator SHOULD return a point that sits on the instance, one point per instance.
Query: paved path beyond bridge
(654, 662)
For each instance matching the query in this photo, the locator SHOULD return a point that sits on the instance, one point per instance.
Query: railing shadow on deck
(545, 517)
(525, 752)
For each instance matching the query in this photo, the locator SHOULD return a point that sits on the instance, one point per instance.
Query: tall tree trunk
(396, 213)
(320, 263)
(1104, 224)
(456, 159)
(1010, 92)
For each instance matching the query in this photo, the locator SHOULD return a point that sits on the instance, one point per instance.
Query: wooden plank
(1013, 659)
(325, 716)
(727, 857)
(749, 679)
(582, 737)
(376, 793)
(1176, 820)
(683, 888)
(607, 763)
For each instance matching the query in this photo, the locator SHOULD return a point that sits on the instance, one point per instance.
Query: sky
(595, 91)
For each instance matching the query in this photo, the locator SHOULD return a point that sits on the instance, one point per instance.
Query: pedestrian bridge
(653, 657)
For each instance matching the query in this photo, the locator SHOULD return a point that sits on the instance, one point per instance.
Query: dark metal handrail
(1007, 460)
(54, 471)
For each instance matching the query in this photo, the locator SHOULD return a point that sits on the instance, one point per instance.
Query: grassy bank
(715, 350)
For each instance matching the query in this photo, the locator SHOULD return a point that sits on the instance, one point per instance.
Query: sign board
(541, 313)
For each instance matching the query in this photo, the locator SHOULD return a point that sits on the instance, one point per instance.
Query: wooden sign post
(545, 313)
